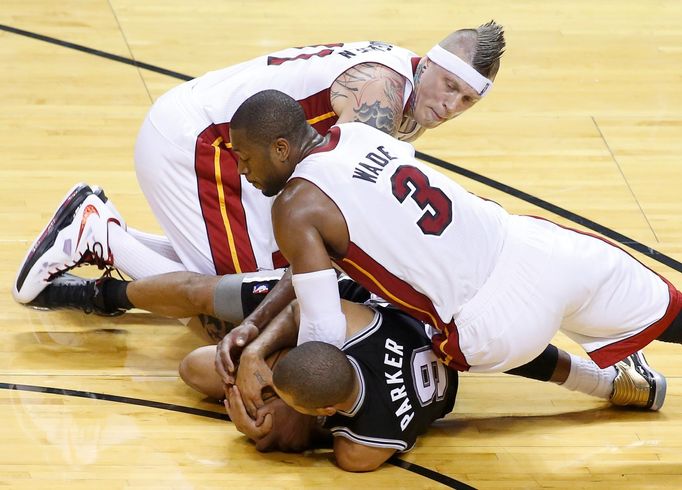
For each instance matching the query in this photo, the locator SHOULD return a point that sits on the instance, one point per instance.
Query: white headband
(457, 66)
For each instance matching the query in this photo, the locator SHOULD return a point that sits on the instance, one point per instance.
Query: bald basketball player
(369, 431)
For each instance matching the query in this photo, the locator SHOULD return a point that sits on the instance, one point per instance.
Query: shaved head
(481, 47)
(315, 374)
(269, 115)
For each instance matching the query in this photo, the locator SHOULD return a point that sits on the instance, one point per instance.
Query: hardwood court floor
(585, 115)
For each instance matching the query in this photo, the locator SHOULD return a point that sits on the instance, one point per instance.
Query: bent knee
(197, 370)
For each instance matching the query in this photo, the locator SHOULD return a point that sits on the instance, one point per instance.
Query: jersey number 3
(411, 182)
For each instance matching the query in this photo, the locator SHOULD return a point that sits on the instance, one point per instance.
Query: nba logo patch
(261, 289)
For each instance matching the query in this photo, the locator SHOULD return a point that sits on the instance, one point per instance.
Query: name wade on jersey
(393, 358)
(377, 161)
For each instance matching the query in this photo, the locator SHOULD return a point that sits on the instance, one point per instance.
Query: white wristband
(318, 299)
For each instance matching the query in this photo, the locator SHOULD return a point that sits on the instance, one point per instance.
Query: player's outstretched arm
(231, 346)
(351, 456)
(305, 223)
(370, 93)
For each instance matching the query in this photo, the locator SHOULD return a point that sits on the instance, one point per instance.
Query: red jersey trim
(415, 62)
(319, 111)
(612, 353)
(334, 136)
(279, 261)
(219, 188)
(377, 279)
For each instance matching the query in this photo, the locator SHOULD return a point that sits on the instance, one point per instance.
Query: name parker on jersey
(370, 171)
(393, 357)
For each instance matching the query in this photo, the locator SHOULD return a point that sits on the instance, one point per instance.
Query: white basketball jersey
(195, 118)
(417, 238)
(306, 74)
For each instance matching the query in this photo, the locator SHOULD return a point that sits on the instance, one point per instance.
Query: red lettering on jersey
(273, 60)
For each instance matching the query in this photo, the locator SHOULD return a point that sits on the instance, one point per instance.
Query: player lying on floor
(388, 390)
(375, 396)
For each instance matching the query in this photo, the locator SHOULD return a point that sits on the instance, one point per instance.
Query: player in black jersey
(378, 394)
(397, 387)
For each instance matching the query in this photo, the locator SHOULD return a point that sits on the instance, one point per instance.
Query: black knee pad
(674, 332)
(540, 368)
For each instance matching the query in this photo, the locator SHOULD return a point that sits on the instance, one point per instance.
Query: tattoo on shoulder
(377, 116)
(375, 93)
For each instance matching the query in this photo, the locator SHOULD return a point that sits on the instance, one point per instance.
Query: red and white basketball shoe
(77, 234)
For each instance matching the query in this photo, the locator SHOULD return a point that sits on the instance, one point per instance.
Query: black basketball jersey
(403, 386)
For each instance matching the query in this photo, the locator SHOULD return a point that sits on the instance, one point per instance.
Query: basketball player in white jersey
(214, 220)
(497, 286)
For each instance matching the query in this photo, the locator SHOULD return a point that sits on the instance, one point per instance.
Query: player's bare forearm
(282, 332)
(278, 299)
(372, 94)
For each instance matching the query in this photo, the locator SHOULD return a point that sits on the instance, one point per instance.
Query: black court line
(433, 475)
(96, 52)
(420, 470)
(115, 398)
(592, 225)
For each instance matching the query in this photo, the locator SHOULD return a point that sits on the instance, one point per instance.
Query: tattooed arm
(372, 94)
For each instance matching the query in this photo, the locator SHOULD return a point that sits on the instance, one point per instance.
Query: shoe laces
(92, 255)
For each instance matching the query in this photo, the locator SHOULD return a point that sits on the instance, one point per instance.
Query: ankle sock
(586, 377)
(114, 295)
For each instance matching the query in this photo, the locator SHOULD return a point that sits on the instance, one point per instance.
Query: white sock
(586, 377)
(158, 243)
(135, 259)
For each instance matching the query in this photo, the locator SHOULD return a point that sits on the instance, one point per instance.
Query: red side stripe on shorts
(377, 279)
(220, 193)
(612, 353)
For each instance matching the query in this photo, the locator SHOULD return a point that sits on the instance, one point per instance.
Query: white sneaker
(76, 234)
(99, 192)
